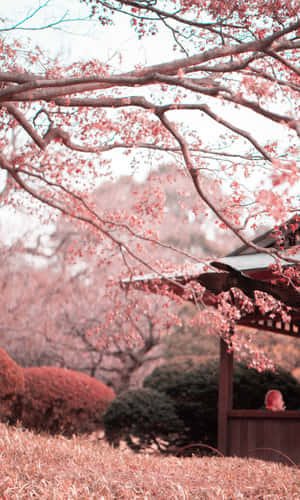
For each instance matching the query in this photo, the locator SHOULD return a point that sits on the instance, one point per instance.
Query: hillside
(44, 468)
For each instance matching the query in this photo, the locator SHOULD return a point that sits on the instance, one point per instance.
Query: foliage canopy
(233, 72)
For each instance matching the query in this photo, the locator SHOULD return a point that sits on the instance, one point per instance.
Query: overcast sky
(86, 38)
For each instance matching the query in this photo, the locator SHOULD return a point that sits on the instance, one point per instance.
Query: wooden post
(224, 396)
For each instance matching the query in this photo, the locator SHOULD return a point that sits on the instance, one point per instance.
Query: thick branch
(25, 124)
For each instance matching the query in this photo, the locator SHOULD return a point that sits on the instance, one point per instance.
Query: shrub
(65, 401)
(11, 388)
(194, 391)
(250, 387)
(142, 417)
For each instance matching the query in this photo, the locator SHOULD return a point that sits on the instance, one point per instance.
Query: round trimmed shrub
(142, 418)
(11, 388)
(64, 401)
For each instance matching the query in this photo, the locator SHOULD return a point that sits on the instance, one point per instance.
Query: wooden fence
(264, 434)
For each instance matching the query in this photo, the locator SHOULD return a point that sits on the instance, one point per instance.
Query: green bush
(142, 418)
(195, 394)
(191, 394)
(250, 387)
(58, 400)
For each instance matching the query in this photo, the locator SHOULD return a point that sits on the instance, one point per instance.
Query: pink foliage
(236, 78)
(11, 387)
(61, 400)
(11, 376)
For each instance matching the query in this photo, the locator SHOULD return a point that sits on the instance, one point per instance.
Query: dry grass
(43, 467)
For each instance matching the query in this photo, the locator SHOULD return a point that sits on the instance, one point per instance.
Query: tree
(237, 71)
(59, 311)
(50, 316)
(56, 311)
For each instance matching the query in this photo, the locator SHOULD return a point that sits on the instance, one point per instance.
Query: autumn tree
(61, 313)
(53, 316)
(234, 70)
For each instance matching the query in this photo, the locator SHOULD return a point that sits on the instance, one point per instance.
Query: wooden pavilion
(257, 433)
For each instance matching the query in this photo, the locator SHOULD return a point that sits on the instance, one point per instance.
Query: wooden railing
(264, 434)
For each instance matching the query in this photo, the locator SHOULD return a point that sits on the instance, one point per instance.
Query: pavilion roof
(246, 270)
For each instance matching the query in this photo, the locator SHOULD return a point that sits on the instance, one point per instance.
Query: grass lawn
(56, 468)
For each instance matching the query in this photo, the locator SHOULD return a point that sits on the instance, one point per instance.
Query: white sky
(84, 39)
